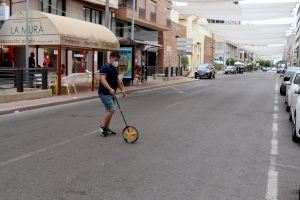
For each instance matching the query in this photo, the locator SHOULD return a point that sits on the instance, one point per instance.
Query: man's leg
(107, 118)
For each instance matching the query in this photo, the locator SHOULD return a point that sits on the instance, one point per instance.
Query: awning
(51, 30)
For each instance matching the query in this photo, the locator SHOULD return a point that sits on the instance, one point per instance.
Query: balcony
(145, 18)
(153, 17)
(142, 13)
(125, 4)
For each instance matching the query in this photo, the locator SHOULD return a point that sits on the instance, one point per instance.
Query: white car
(296, 119)
(295, 82)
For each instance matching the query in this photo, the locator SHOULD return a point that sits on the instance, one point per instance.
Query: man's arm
(121, 86)
(106, 85)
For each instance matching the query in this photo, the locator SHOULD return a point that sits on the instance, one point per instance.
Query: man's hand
(112, 92)
(123, 93)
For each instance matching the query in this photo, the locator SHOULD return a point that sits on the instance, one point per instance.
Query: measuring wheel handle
(130, 134)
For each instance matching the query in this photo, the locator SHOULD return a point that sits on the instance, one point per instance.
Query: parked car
(296, 119)
(205, 71)
(289, 73)
(230, 70)
(240, 69)
(281, 70)
(295, 82)
(264, 69)
(285, 81)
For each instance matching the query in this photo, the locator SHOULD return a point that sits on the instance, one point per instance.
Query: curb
(45, 105)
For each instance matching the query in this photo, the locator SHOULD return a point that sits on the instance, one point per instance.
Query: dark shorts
(108, 101)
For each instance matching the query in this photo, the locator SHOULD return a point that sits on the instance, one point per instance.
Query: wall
(208, 54)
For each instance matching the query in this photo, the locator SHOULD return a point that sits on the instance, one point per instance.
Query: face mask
(115, 63)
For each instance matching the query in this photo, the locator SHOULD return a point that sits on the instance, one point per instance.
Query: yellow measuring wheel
(130, 134)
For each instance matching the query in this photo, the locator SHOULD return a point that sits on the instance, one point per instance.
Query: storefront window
(7, 57)
(79, 62)
(50, 59)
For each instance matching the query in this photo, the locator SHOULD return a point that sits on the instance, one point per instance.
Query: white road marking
(177, 90)
(272, 190)
(275, 127)
(274, 147)
(45, 149)
(174, 104)
(272, 186)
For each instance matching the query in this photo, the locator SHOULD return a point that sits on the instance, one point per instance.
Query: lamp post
(132, 21)
(27, 34)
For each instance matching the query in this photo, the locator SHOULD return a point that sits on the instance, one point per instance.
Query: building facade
(152, 18)
(203, 43)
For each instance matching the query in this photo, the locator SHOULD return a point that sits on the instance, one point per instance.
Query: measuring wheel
(130, 134)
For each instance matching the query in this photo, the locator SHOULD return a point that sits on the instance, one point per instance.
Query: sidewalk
(18, 106)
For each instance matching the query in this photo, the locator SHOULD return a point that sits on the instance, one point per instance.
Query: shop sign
(4, 12)
(125, 62)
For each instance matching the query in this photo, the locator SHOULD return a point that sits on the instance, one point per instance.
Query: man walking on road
(109, 82)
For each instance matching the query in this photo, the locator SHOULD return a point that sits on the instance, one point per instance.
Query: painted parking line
(45, 149)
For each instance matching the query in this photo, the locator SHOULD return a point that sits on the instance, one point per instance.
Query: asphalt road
(223, 139)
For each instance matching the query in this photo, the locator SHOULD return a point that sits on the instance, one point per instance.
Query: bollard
(44, 79)
(166, 72)
(176, 71)
(172, 71)
(19, 81)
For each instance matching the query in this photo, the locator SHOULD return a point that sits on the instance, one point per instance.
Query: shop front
(61, 44)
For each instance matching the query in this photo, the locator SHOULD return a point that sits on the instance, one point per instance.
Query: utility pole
(107, 13)
(27, 35)
(132, 21)
(212, 48)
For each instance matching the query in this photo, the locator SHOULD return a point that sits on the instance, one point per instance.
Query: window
(91, 15)
(153, 7)
(142, 4)
(57, 7)
(119, 29)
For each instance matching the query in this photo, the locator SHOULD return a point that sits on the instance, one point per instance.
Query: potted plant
(184, 60)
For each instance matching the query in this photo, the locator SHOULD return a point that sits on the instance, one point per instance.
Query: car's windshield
(229, 67)
(204, 66)
(290, 73)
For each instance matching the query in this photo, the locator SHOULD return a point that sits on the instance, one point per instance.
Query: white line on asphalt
(272, 187)
(289, 166)
(177, 90)
(174, 104)
(274, 147)
(33, 153)
(272, 190)
(275, 127)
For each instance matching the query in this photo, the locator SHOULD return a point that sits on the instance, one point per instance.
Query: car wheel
(288, 109)
(294, 135)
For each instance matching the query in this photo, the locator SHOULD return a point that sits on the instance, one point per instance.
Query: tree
(230, 61)
(184, 61)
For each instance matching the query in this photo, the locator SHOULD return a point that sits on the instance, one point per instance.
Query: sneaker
(103, 132)
(110, 132)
